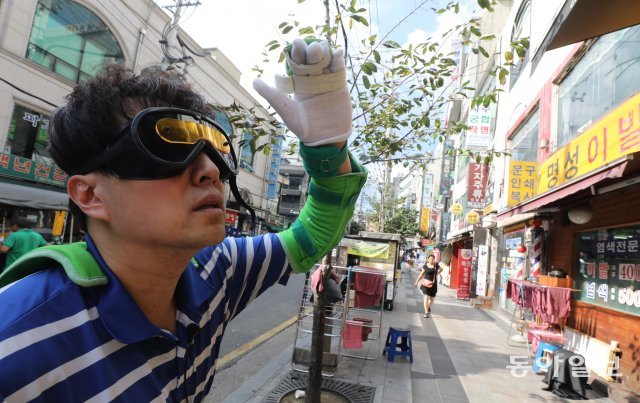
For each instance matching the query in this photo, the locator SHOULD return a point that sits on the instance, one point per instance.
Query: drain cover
(296, 380)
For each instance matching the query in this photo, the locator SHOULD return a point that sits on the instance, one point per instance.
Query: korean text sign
(611, 138)
(523, 182)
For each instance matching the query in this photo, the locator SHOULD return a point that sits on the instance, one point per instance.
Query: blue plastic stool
(391, 345)
(538, 364)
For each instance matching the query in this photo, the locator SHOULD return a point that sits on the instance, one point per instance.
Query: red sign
(464, 273)
(231, 217)
(476, 185)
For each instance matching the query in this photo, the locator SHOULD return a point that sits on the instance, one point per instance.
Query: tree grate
(296, 380)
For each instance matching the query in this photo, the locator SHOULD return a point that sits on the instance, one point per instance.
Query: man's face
(184, 211)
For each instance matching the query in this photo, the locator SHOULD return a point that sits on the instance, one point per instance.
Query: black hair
(21, 222)
(431, 255)
(92, 118)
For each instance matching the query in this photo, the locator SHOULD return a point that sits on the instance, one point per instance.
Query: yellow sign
(369, 249)
(58, 223)
(523, 182)
(611, 138)
(456, 208)
(424, 220)
(472, 217)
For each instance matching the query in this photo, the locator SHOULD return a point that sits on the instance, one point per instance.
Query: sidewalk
(460, 355)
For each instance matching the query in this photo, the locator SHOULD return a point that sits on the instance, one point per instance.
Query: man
(21, 240)
(146, 180)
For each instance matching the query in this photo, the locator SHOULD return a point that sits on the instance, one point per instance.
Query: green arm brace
(321, 222)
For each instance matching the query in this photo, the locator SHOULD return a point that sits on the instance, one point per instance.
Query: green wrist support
(323, 161)
(321, 222)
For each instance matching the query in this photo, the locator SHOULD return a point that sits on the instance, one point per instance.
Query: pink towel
(352, 335)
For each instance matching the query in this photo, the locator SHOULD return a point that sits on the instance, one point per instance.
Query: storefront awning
(19, 195)
(579, 20)
(548, 198)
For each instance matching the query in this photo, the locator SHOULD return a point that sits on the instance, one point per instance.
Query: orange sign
(523, 182)
(424, 220)
(611, 138)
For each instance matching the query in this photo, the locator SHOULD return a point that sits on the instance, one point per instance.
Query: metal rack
(370, 317)
(304, 327)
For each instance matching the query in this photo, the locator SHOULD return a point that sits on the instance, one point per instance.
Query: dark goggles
(163, 142)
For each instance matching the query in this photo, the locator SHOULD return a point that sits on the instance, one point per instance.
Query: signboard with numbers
(611, 138)
(608, 269)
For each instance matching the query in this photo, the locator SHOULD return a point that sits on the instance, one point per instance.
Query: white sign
(481, 279)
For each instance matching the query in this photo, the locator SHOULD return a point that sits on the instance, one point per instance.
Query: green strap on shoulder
(74, 258)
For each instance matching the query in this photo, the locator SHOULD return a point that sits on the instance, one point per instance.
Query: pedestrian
(137, 313)
(21, 240)
(428, 283)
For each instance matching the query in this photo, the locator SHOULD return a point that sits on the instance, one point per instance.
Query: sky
(242, 28)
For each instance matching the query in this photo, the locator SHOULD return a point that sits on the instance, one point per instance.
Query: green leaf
(305, 31)
(287, 29)
(522, 52)
(483, 51)
(282, 25)
(360, 19)
(475, 31)
(508, 56)
(376, 56)
(502, 76)
(365, 82)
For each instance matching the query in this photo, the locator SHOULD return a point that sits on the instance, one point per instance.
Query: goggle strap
(234, 189)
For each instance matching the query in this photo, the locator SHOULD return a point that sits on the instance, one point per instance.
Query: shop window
(28, 136)
(523, 145)
(521, 30)
(247, 152)
(604, 78)
(70, 40)
(607, 270)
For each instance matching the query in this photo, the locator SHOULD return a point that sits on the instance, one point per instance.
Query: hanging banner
(464, 273)
(424, 220)
(523, 182)
(481, 279)
(369, 249)
(476, 184)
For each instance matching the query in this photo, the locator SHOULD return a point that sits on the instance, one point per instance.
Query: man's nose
(204, 170)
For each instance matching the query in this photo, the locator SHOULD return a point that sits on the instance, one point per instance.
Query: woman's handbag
(426, 283)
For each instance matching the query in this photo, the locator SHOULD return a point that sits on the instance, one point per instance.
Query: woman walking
(428, 283)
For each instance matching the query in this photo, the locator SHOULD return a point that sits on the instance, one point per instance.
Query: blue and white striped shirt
(65, 343)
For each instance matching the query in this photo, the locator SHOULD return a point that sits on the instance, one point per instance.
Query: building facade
(47, 46)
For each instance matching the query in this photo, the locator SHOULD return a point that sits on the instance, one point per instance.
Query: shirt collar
(122, 317)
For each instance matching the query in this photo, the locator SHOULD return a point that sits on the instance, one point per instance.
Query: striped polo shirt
(60, 342)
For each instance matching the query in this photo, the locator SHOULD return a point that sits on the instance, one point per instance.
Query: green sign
(608, 269)
(369, 249)
(23, 168)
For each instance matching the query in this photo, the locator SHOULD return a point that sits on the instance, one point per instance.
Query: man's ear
(81, 189)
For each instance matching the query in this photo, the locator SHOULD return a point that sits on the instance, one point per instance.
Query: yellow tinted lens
(182, 132)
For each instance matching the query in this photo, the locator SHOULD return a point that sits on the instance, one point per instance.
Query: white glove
(320, 111)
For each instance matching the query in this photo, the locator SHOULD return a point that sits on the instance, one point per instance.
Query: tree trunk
(314, 386)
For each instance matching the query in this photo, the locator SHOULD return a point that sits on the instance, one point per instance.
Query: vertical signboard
(447, 167)
(464, 273)
(424, 220)
(476, 185)
(481, 279)
(479, 123)
(274, 169)
(523, 182)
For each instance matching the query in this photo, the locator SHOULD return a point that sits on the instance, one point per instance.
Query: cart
(375, 250)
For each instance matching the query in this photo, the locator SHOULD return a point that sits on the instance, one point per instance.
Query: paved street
(460, 355)
(276, 306)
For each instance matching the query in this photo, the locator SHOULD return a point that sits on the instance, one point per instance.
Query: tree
(399, 93)
(403, 221)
